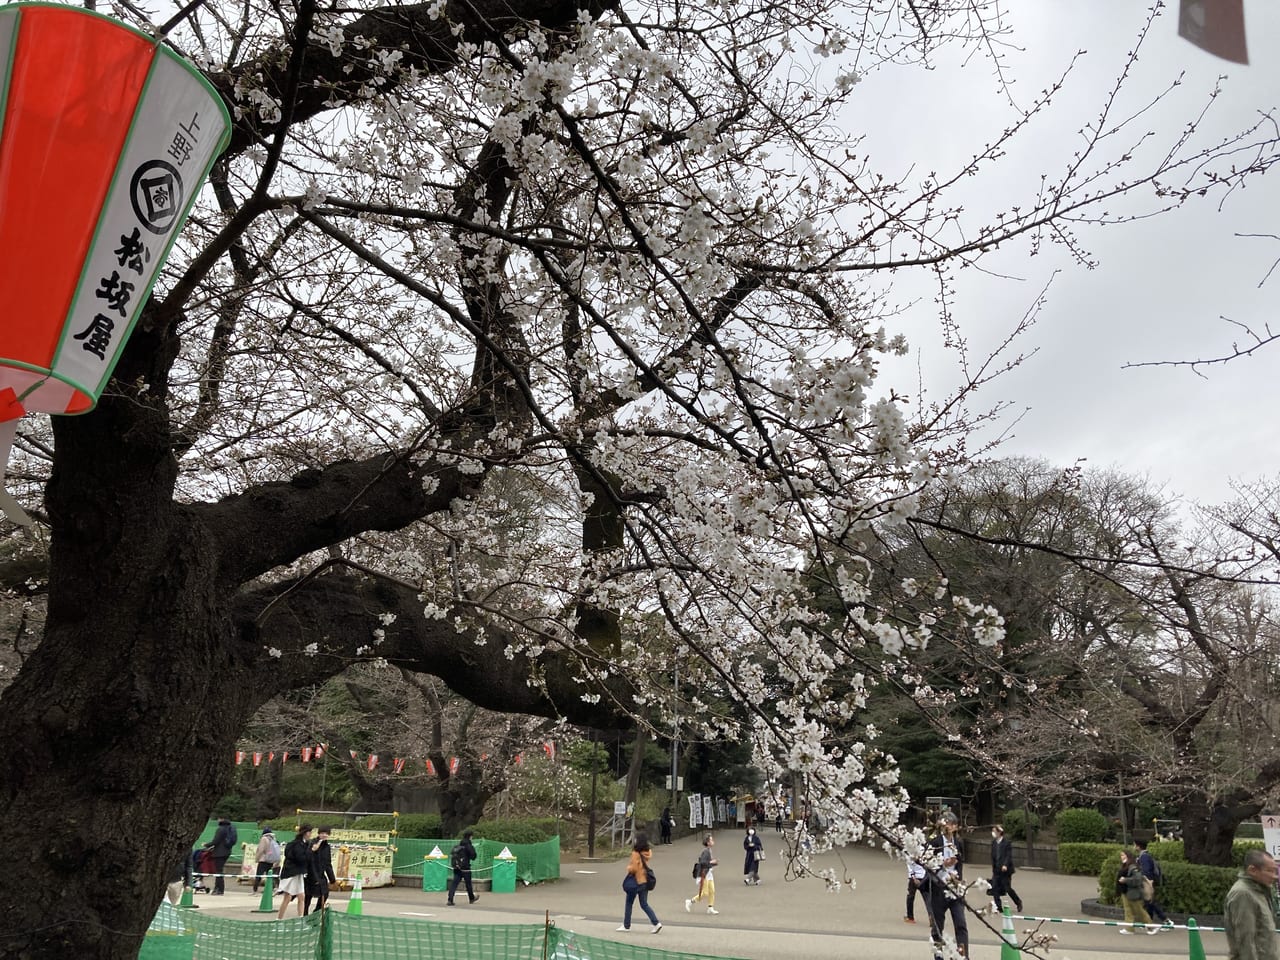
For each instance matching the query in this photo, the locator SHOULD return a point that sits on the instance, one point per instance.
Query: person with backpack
(640, 879)
(460, 859)
(1150, 868)
(706, 881)
(297, 866)
(268, 855)
(224, 841)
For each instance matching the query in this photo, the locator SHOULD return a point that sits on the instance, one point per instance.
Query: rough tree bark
(121, 725)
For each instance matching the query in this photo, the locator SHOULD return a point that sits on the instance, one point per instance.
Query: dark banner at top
(1215, 26)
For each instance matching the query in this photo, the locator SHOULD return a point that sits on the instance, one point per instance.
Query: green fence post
(1195, 949)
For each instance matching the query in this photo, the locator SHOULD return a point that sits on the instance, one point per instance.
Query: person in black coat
(666, 822)
(460, 859)
(940, 899)
(754, 849)
(1002, 869)
(320, 872)
(297, 865)
(224, 841)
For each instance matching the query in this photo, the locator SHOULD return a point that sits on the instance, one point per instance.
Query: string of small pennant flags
(371, 761)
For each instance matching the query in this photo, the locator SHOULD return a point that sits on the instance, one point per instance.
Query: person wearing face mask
(1002, 870)
(754, 848)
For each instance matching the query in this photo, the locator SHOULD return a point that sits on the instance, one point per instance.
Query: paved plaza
(778, 920)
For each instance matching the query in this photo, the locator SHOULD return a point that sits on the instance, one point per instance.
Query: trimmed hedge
(422, 825)
(1086, 859)
(1081, 825)
(528, 830)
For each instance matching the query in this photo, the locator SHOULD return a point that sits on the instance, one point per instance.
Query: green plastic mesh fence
(367, 938)
(187, 935)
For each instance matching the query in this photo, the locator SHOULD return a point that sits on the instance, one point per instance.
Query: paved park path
(778, 920)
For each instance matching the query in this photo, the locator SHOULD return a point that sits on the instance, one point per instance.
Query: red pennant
(431, 767)
(353, 755)
(320, 750)
(306, 754)
(271, 757)
(550, 750)
(397, 764)
(453, 764)
(372, 761)
(284, 758)
(239, 757)
(257, 758)
(519, 758)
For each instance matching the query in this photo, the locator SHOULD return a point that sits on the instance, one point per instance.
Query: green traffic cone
(1195, 949)
(1009, 940)
(355, 905)
(268, 894)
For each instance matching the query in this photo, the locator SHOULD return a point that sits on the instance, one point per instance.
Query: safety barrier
(329, 935)
(1195, 949)
(535, 862)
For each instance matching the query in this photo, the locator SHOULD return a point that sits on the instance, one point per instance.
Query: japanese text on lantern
(164, 159)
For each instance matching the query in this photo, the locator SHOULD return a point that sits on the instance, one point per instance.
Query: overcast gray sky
(1161, 285)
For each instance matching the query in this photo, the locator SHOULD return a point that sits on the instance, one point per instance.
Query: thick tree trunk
(109, 770)
(1208, 830)
(462, 803)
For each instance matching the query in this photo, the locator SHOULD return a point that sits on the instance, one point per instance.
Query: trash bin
(435, 875)
(504, 876)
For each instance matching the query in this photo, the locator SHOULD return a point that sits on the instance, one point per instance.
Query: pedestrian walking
(940, 897)
(915, 880)
(637, 883)
(1150, 868)
(1129, 882)
(1002, 870)
(753, 847)
(666, 823)
(321, 875)
(268, 855)
(1247, 913)
(705, 877)
(460, 859)
(224, 841)
(293, 875)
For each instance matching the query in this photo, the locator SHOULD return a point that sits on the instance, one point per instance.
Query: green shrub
(1016, 823)
(1107, 873)
(423, 825)
(1084, 859)
(1193, 888)
(530, 830)
(1167, 850)
(1080, 825)
(1173, 851)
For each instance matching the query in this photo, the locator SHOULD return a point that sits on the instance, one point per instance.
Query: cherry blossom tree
(618, 267)
(1139, 648)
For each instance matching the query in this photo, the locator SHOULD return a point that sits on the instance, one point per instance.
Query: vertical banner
(1215, 26)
